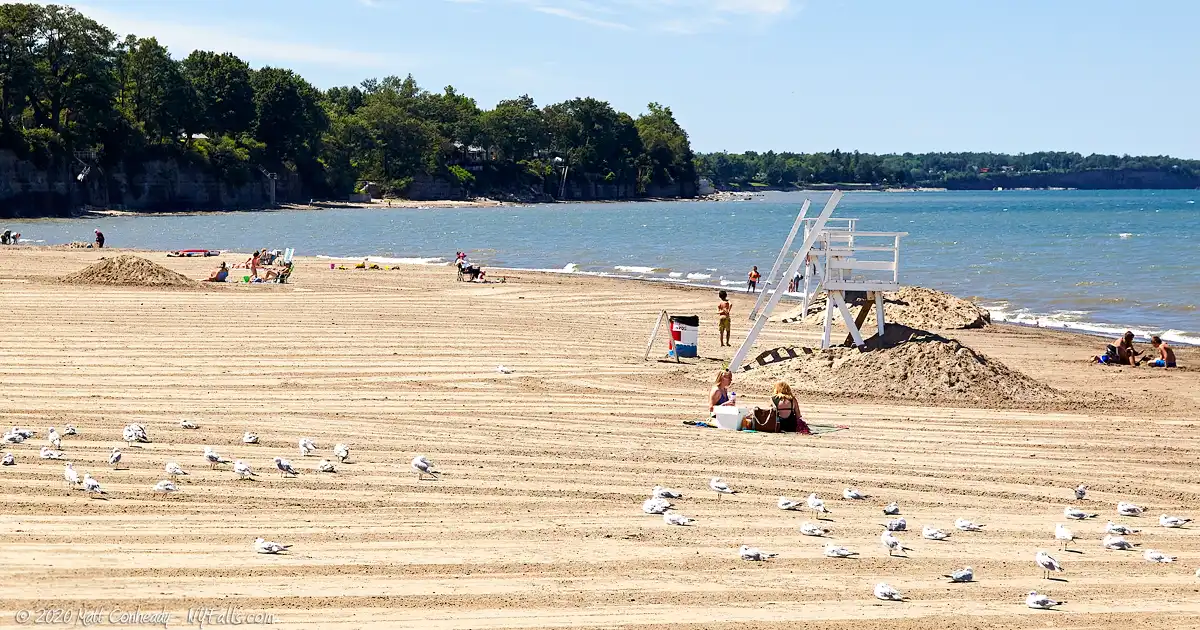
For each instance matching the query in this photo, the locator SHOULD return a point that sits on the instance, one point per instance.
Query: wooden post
(879, 313)
(862, 317)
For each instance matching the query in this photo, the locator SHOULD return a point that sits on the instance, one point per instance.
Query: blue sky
(801, 75)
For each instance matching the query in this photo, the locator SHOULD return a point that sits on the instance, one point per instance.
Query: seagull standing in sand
(134, 433)
(173, 470)
(114, 458)
(307, 447)
(90, 485)
(1063, 535)
(720, 487)
(892, 544)
(285, 467)
(1173, 522)
(70, 475)
(213, 458)
(53, 438)
(817, 505)
(422, 467)
(243, 470)
(1047, 563)
(1080, 492)
(341, 452)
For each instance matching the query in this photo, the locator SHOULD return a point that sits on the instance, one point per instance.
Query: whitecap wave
(699, 276)
(385, 260)
(676, 274)
(634, 269)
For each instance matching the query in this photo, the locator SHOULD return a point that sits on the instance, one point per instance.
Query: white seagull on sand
(817, 505)
(187, 424)
(754, 554)
(1077, 514)
(422, 466)
(53, 438)
(1125, 508)
(341, 452)
(1040, 602)
(887, 592)
(266, 546)
(1121, 530)
(285, 467)
(785, 503)
(1063, 535)
(965, 574)
(929, 532)
(1174, 522)
(243, 470)
(675, 518)
(720, 487)
(1154, 555)
(70, 430)
(1116, 543)
(49, 453)
(964, 525)
(249, 437)
(70, 475)
(896, 525)
(891, 543)
(852, 494)
(1047, 563)
(834, 551)
(90, 485)
(325, 466)
(114, 457)
(166, 486)
(665, 493)
(808, 529)
(213, 458)
(1080, 492)
(7, 460)
(306, 447)
(173, 469)
(891, 509)
(134, 433)
(655, 505)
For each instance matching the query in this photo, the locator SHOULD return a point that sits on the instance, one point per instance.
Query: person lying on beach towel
(1166, 356)
(219, 275)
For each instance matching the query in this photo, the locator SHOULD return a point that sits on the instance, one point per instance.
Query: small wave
(385, 260)
(676, 274)
(632, 269)
(699, 276)
(731, 283)
(1126, 235)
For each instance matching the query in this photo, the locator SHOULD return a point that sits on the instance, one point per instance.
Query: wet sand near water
(536, 521)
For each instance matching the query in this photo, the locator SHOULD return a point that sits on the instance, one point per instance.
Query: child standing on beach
(753, 277)
(724, 323)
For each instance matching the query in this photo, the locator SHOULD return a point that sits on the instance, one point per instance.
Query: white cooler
(729, 417)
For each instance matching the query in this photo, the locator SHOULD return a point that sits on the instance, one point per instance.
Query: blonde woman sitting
(720, 395)
(787, 410)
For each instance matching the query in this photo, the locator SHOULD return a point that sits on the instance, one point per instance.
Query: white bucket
(729, 417)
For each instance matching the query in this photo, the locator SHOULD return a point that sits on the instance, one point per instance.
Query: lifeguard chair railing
(854, 261)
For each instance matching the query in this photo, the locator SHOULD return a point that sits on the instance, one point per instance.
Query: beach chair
(283, 276)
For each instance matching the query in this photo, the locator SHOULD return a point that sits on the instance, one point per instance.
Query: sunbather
(720, 394)
(272, 274)
(219, 275)
(787, 410)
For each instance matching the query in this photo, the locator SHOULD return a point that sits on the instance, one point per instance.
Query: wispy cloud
(182, 38)
(674, 16)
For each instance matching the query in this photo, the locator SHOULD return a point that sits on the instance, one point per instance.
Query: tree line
(741, 170)
(69, 84)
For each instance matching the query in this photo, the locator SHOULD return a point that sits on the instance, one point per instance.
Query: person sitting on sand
(1126, 353)
(274, 275)
(1166, 356)
(787, 410)
(219, 275)
(720, 396)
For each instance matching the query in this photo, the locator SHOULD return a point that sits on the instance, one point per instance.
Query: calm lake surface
(1096, 261)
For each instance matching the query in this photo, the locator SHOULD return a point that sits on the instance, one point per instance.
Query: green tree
(667, 146)
(18, 28)
(289, 118)
(73, 58)
(516, 128)
(222, 85)
(156, 96)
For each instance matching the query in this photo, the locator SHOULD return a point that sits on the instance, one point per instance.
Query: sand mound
(129, 271)
(917, 307)
(913, 365)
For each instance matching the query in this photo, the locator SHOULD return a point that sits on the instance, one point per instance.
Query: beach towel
(813, 429)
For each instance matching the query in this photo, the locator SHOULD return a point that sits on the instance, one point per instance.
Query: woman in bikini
(720, 396)
(787, 410)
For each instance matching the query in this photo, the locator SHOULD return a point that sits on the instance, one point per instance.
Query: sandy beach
(536, 521)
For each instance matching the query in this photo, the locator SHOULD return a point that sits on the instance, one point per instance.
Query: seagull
(929, 532)
(243, 470)
(49, 453)
(1077, 514)
(213, 458)
(325, 466)
(1173, 522)
(1129, 509)
(964, 525)
(1040, 602)
(266, 546)
(886, 592)
(674, 518)
(114, 458)
(965, 574)
(13, 438)
(1116, 543)
(817, 505)
(1080, 492)
(166, 486)
(834, 551)
(720, 487)
(808, 529)
(1122, 530)
(891, 509)
(306, 447)
(891, 543)
(655, 505)
(53, 438)
(1063, 535)
(91, 485)
(8, 460)
(852, 494)
(422, 467)
(754, 554)
(503, 370)
(785, 503)
(1047, 563)
(24, 433)
(70, 430)
(71, 476)
(249, 438)
(342, 452)
(660, 492)
(187, 424)
(1153, 555)
(896, 525)
(285, 467)
(173, 469)
(134, 433)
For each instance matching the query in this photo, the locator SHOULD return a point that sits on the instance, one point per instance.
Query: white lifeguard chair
(837, 258)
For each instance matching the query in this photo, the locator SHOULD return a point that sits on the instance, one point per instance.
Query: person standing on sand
(99, 239)
(724, 321)
(753, 277)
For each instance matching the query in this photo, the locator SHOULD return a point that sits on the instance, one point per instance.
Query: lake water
(1096, 261)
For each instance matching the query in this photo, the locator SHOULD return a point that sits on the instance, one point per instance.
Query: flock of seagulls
(661, 502)
(133, 434)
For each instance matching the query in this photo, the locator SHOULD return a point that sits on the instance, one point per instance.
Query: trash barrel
(685, 335)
